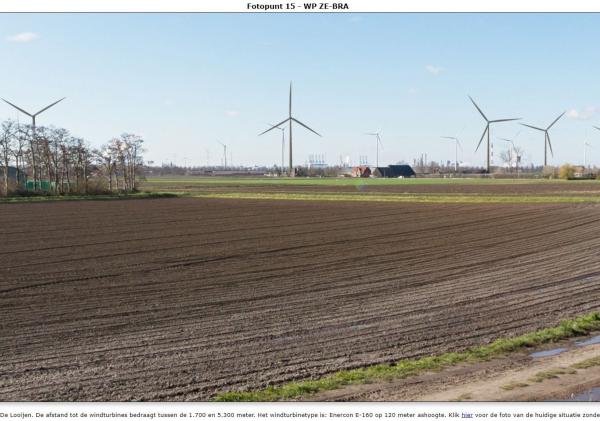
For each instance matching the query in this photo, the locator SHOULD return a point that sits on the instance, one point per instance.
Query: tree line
(51, 160)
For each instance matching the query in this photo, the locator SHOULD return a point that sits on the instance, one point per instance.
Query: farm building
(394, 171)
(361, 171)
(581, 172)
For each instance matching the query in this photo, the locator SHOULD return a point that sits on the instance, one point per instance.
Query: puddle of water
(548, 353)
(591, 341)
(592, 395)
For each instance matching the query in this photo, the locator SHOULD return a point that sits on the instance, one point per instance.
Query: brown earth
(177, 299)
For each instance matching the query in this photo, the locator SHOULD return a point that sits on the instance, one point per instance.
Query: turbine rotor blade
(478, 109)
(290, 99)
(557, 118)
(596, 127)
(20, 109)
(533, 127)
(275, 126)
(448, 137)
(49, 106)
(306, 127)
(549, 144)
(482, 136)
(504, 119)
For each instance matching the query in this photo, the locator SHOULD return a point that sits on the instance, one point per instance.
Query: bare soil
(177, 299)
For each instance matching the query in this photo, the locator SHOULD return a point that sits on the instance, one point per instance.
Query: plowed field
(177, 299)
(376, 186)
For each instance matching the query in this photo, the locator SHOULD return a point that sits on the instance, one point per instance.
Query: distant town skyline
(187, 81)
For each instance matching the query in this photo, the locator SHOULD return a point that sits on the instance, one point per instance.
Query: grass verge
(591, 362)
(514, 385)
(406, 198)
(551, 374)
(579, 326)
(144, 195)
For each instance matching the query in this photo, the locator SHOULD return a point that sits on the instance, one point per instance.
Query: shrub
(566, 171)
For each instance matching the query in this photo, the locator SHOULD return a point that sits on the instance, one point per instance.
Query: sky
(186, 81)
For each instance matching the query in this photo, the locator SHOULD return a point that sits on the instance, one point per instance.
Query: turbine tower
(377, 143)
(224, 154)
(586, 145)
(290, 119)
(546, 137)
(282, 142)
(487, 130)
(33, 116)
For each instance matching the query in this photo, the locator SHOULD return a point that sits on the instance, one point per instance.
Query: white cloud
(584, 114)
(23, 37)
(232, 113)
(434, 70)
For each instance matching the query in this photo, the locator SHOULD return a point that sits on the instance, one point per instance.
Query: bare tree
(507, 158)
(66, 162)
(19, 151)
(106, 161)
(132, 152)
(7, 136)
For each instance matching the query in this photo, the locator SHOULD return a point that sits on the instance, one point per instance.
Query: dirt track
(509, 378)
(176, 299)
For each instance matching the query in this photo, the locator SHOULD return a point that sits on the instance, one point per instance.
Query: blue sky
(184, 81)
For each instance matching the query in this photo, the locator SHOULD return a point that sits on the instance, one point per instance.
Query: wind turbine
(224, 153)
(487, 130)
(290, 119)
(33, 116)
(377, 143)
(514, 149)
(586, 145)
(546, 137)
(456, 145)
(282, 141)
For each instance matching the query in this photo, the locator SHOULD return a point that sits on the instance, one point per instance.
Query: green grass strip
(406, 198)
(404, 368)
(350, 181)
(50, 198)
